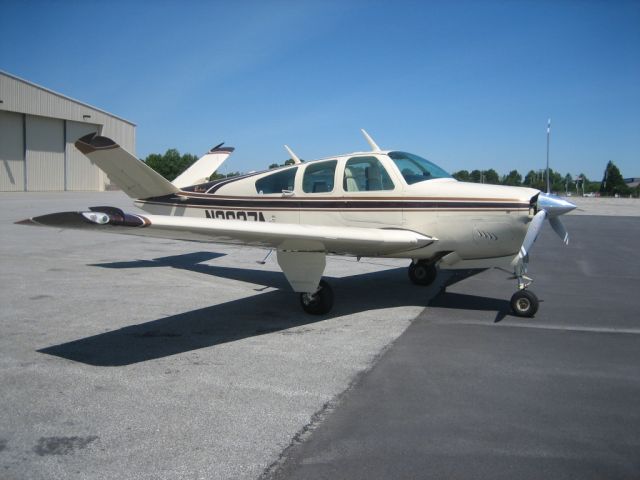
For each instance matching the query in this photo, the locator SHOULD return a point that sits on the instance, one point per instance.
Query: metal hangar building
(38, 128)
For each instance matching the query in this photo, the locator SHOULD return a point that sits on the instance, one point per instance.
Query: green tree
(612, 181)
(462, 175)
(533, 180)
(475, 176)
(568, 182)
(171, 164)
(218, 176)
(289, 161)
(556, 181)
(513, 178)
(491, 176)
(538, 179)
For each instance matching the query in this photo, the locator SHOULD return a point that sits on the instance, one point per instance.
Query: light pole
(548, 137)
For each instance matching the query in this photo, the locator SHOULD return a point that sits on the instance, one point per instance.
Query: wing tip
(26, 221)
(221, 149)
(92, 142)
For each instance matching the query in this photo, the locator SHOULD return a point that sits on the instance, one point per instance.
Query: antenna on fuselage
(374, 145)
(294, 157)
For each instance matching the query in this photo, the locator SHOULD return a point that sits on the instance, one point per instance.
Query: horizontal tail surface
(133, 176)
(204, 167)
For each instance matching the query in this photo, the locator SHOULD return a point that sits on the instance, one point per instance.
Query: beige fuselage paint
(483, 225)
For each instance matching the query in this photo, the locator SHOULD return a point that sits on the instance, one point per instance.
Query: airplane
(374, 203)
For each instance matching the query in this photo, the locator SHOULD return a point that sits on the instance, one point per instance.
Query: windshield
(416, 169)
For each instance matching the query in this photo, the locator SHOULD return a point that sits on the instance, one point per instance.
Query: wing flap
(291, 237)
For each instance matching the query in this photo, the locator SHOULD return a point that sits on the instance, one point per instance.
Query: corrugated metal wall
(53, 123)
(11, 152)
(23, 97)
(81, 173)
(45, 154)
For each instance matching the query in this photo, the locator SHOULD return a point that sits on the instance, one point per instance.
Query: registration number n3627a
(235, 215)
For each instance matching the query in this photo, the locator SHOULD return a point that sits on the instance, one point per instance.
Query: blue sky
(466, 84)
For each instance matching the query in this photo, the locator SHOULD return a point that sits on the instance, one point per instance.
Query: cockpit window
(416, 169)
(277, 182)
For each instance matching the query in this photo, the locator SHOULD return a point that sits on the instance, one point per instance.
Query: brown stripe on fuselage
(262, 197)
(335, 204)
(280, 209)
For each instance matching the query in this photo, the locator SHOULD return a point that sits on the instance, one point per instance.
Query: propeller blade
(559, 228)
(532, 233)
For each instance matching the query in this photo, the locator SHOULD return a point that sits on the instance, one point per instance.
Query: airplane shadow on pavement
(268, 312)
(461, 301)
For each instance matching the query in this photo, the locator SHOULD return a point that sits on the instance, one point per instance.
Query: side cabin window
(277, 182)
(365, 174)
(319, 177)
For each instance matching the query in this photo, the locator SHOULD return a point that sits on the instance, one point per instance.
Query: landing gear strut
(422, 273)
(318, 302)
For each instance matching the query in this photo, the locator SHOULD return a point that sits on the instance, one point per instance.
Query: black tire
(524, 303)
(422, 273)
(319, 303)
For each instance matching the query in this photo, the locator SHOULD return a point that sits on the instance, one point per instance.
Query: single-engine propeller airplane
(377, 203)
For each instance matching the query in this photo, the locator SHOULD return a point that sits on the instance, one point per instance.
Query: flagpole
(548, 135)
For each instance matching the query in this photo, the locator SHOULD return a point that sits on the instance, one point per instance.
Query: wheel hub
(523, 304)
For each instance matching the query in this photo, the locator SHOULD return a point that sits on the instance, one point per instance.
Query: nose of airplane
(554, 205)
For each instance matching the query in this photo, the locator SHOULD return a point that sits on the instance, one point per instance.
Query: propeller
(549, 207)
(532, 233)
(560, 229)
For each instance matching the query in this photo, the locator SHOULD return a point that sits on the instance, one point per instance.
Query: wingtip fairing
(92, 142)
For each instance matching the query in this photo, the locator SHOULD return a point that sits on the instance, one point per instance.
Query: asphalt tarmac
(137, 358)
(469, 391)
(134, 358)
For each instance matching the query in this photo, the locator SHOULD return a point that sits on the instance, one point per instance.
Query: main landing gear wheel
(422, 273)
(320, 302)
(524, 303)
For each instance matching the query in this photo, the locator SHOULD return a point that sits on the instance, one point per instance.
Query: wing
(289, 237)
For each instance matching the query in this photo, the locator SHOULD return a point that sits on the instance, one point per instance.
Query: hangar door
(81, 173)
(11, 152)
(45, 153)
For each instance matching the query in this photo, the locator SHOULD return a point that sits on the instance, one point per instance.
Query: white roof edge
(331, 157)
(15, 77)
(359, 154)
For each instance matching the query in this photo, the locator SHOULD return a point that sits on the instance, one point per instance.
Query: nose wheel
(524, 303)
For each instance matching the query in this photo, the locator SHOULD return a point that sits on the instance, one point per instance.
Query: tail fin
(204, 167)
(133, 176)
